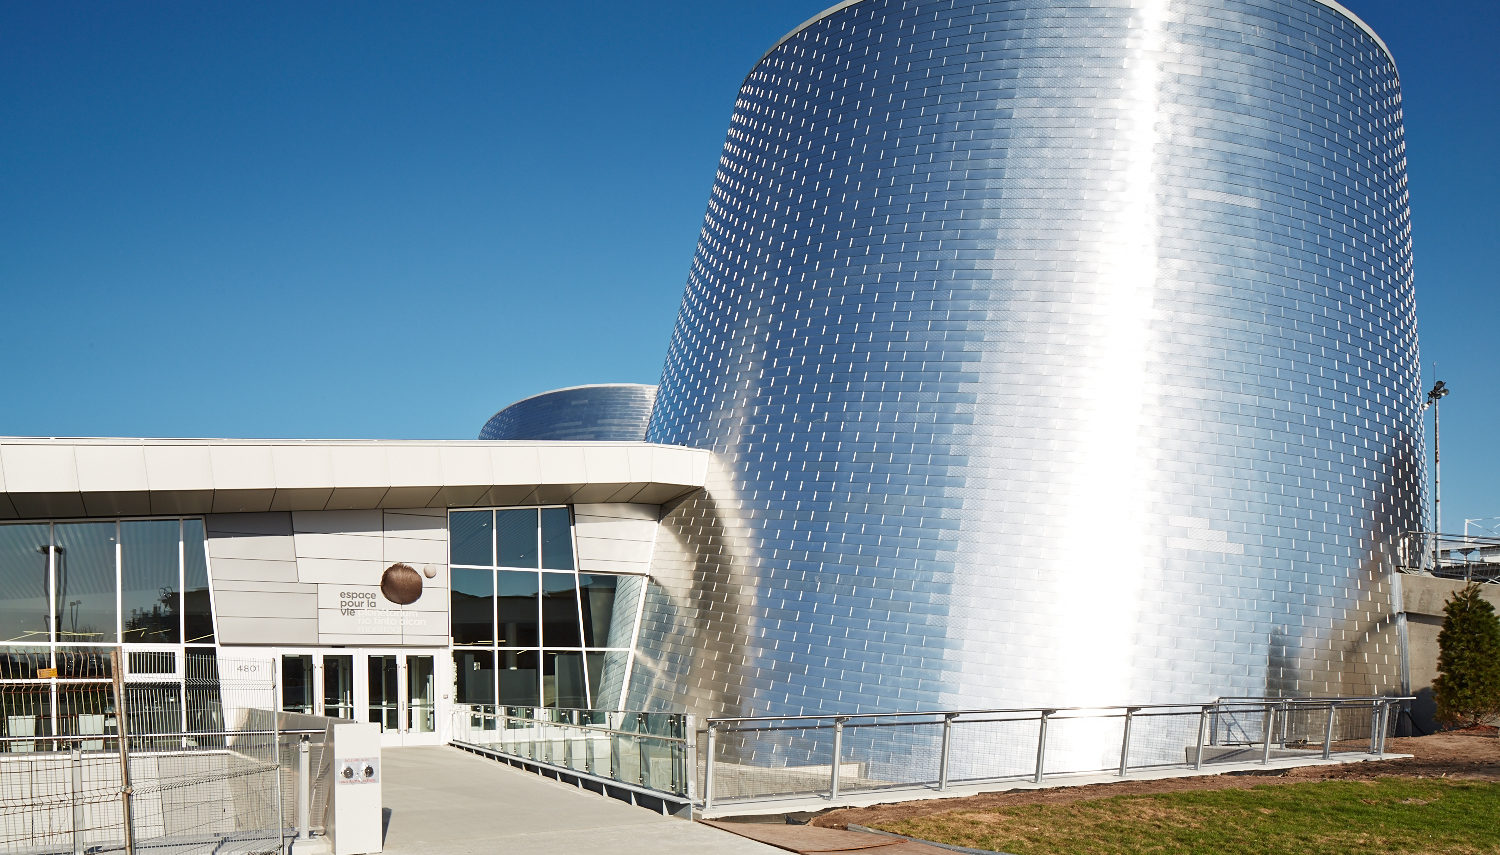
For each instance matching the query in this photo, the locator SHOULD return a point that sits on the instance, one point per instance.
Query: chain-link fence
(160, 748)
(745, 759)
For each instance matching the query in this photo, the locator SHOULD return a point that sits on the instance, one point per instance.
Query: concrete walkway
(443, 801)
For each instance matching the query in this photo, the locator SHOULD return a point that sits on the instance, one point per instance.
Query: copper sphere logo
(401, 584)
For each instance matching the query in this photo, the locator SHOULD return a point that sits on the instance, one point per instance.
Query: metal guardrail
(654, 752)
(829, 755)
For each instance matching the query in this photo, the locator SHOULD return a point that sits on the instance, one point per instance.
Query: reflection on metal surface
(615, 412)
(1052, 354)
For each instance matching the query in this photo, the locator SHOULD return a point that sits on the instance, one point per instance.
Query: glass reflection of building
(528, 628)
(75, 592)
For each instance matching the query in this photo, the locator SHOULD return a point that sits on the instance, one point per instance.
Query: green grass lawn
(1391, 815)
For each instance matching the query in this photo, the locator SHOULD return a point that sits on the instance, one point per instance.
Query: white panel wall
(615, 538)
(313, 577)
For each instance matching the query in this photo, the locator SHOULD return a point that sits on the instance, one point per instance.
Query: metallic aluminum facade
(1052, 353)
(614, 412)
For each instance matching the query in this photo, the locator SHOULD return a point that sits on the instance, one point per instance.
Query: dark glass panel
(597, 594)
(25, 710)
(23, 579)
(205, 708)
(85, 661)
(595, 665)
(22, 663)
(516, 602)
(518, 678)
(154, 708)
(474, 676)
(86, 709)
(562, 681)
(473, 606)
(297, 683)
(86, 582)
(470, 538)
(560, 610)
(607, 678)
(197, 606)
(515, 537)
(383, 692)
(150, 581)
(338, 686)
(557, 539)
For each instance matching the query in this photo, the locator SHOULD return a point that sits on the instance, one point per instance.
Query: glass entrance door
(401, 695)
(397, 690)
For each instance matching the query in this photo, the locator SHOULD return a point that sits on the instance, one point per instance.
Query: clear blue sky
(373, 219)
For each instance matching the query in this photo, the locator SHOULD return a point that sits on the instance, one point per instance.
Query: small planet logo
(401, 584)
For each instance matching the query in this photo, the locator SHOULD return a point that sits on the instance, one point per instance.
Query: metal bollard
(1265, 748)
(1202, 734)
(947, 751)
(1041, 747)
(77, 806)
(708, 769)
(1125, 741)
(1328, 731)
(304, 788)
(838, 753)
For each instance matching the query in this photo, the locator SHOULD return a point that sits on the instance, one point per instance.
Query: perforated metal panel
(1053, 353)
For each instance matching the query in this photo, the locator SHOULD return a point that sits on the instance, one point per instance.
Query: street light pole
(1438, 391)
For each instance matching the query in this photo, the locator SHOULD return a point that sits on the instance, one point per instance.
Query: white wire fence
(757, 758)
(153, 750)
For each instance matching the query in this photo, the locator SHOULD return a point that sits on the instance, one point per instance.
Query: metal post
(838, 754)
(1328, 731)
(1384, 710)
(1265, 748)
(615, 738)
(1125, 740)
(1202, 734)
(690, 758)
(947, 751)
(276, 747)
(304, 788)
(1374, 724)
(708, 769)
(122, 736)
(77, 806)
(1041, 746)
(640, 747)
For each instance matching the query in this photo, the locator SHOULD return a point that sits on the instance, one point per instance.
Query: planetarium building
(1031, 353)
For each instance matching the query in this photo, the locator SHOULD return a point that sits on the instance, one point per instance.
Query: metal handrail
(1274, 711)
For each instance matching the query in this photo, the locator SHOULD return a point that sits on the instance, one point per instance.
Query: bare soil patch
(1472, 754)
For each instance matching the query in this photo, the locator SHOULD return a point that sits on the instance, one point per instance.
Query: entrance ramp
(441, 800)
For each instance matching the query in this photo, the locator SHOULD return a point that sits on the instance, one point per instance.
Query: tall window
(73, 592)
(528, 628)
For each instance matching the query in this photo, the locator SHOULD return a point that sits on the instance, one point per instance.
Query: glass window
(197, 606)
(515, 538)
(150, 581)
(473, 606)
(598, 598)
(23, 579)
(518, 678)
(474, 676)
(560, 610)
(85, 604)
(516, 595)
(297, 683)
(470, 538)
(607, 678)
(557, 539)
(562, 681)
(338, 686)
